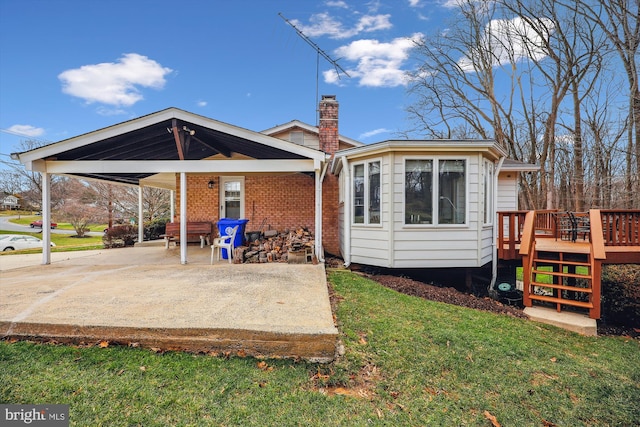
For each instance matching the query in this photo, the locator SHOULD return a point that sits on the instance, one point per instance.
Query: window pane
(374, 193)
(418, 191)
(452, 192)
(358, 194)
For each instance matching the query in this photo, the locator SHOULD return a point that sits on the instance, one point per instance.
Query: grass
(28, 219)
(407, 361)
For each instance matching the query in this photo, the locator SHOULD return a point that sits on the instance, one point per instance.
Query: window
(433, 183)
(452, 192)
(418, 190)
(488, 192)
(366, 193)
(296, 137)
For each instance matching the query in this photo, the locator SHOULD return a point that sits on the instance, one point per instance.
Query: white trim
(183, 218)
(140, 214)
(52, 150)
(435, 219)
(46, 218)
(221, 195)
(347, 212)
(177, 166)
(366, 200)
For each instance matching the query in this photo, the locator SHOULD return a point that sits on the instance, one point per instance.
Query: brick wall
(287, 201)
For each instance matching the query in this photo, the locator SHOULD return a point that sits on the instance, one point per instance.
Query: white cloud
(378, 64)
(323, 24)
(373, 133)
(26, 130)
(114, 83)
(512, 40)
(414, 3)
(338, 3)
(201, 103)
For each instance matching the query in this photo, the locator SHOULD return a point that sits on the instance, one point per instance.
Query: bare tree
(619, 20)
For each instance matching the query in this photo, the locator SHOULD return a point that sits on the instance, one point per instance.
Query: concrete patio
(144, 296)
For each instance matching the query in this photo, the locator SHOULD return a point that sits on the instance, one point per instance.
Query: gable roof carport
(151, 150)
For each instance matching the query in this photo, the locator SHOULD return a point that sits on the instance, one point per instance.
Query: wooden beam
(177, 135)
(224, 151)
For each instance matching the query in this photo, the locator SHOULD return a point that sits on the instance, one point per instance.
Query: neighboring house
(394, 204)
(9, 202)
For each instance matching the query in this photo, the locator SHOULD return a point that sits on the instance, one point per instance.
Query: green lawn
(63, 242)
(407, 362)
(28, 219)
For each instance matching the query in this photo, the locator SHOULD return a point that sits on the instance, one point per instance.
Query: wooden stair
(562, 273)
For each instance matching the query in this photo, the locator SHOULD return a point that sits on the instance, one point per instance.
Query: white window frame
(435, 193)
(488, 175)
(366, 201)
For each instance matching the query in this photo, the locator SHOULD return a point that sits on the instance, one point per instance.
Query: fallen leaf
(120, 372)
(492, 418)
(143, 368)
(553, 359)
(104, 344)
(380, 414)
(546, 423)
(242, 353)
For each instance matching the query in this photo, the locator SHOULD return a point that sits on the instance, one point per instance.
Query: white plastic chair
(225, 242)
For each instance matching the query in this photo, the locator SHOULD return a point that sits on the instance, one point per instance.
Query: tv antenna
(319, 52)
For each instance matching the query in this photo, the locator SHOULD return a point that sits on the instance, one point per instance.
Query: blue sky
(68, 67)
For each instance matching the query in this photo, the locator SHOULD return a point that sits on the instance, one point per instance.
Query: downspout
(319, 180)
(183, 218)
(347, 212)
(494, 251)
(46, 218)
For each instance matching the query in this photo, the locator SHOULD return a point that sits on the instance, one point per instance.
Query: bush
(154, 229)
(621, 295)
(120, 236)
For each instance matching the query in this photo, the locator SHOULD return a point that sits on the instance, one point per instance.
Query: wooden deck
(562, 253)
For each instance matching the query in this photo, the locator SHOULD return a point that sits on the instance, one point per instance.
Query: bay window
(366, 193)
(435, 191)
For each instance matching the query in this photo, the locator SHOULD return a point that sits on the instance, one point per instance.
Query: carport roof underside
(166, 142)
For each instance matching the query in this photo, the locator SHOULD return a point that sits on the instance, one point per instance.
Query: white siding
(435, 246)
(507, 191)
(370, 243)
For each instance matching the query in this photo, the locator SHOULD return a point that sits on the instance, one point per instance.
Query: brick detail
(286, 201)
(328, 124)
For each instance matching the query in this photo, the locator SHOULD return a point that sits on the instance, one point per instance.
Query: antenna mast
(319, 52)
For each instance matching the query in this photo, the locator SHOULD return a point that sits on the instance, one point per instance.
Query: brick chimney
(328, 124)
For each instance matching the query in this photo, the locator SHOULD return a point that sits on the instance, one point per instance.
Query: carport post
(46, 218)
(140, 216)
(183, 218)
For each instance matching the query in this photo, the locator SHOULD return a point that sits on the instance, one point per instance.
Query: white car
(16, 242)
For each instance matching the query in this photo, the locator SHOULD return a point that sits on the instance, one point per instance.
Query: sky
(68, 67)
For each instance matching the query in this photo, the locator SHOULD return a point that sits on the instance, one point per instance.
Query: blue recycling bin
(225, 226)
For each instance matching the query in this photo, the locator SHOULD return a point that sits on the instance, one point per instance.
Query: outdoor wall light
(210, 184)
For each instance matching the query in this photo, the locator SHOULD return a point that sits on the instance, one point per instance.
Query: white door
(232, 197)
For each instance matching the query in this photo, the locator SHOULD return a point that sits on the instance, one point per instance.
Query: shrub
(120, 236)
(154, 229)
(621, 295)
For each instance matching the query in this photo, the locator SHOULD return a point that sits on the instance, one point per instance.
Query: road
(6, 225)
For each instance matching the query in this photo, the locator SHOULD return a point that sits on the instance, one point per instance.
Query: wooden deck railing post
(526, 250)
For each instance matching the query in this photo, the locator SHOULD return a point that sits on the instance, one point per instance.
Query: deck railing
(511, 226)
(620, 227)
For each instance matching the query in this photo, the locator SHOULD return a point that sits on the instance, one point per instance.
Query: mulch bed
(453, 296)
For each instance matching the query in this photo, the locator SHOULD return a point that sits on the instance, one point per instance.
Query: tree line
(555, 82)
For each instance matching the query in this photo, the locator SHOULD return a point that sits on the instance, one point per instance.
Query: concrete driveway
(144, 296)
